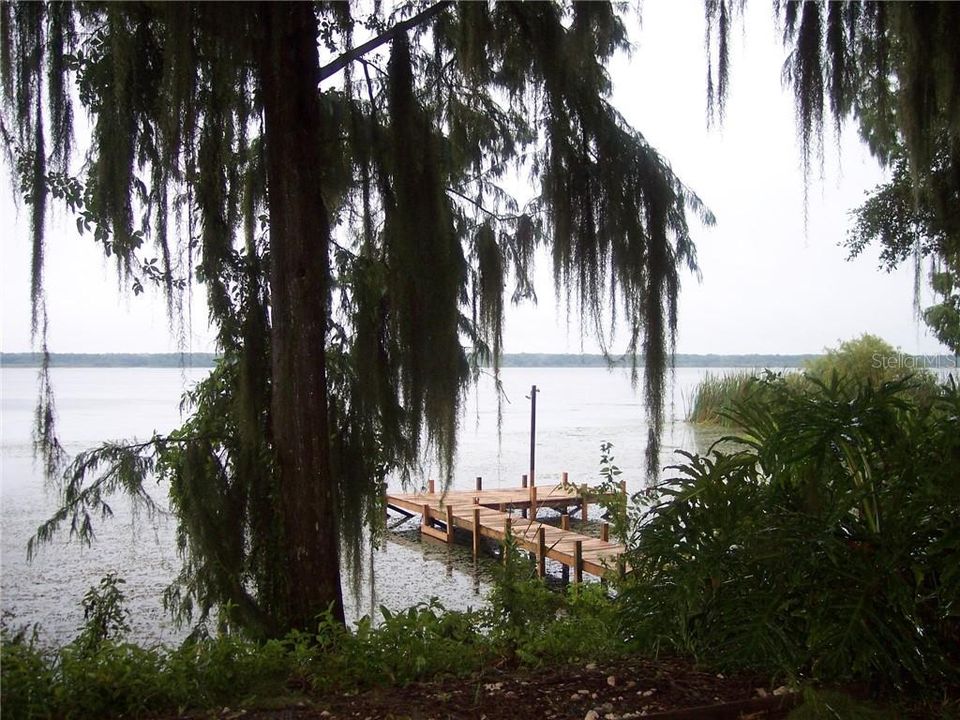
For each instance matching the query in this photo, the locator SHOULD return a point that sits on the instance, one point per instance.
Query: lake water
(577, 410)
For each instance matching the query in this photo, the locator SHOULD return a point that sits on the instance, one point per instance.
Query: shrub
(26, 679)
(823, 546)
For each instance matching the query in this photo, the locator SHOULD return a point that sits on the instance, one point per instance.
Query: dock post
(479, 483)
(431, 486)
(541, 552)
(425, 515)
(449, 523)
(584, 504)
(533, 434)
(565, 521)
(565, 481)
(533, 501)
(476, 532)
(523, 484)
(605, 532)
(506, 539)
(578, 561)
(623, 487)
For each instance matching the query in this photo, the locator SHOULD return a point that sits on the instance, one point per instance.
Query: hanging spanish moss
(893, 68)
(354, 241)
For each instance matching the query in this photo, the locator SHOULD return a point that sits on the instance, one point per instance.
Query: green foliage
(99, 675)
(610, 495)
(821, 549)
(26, 677)
(535, 625)
(867, 359)
(422, 642)
(104, 613)
(829, 705)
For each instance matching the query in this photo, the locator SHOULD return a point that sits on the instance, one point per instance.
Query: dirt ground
(619, 690)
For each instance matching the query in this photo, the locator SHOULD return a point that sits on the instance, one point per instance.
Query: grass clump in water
(716, 395)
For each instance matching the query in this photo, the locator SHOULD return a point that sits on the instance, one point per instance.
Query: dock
(495, 514)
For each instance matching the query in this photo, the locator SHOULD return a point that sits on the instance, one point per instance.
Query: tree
(351, 237)
(914, 224)
(893, 68)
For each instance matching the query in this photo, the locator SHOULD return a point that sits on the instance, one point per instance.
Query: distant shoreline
(201, 360)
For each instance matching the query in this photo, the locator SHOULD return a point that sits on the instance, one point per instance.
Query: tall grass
(716, 395)
(866, 359)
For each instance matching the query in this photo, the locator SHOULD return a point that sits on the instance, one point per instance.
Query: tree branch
(480, 207)
(355, 53)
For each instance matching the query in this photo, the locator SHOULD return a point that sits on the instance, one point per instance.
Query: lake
(577, 410)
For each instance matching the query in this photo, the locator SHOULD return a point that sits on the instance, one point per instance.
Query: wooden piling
(565, 481)
(426, 524)
(523, 484)
(578, 561)
(565, 521)
(506, 539)
(584, 503)
(449, 523)
(533, 501)
(623, 487)
(479, 483)
(605, 532)
(476, 531)
(541, 552)
(431, 486)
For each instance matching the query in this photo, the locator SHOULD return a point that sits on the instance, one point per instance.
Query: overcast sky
(768, 286)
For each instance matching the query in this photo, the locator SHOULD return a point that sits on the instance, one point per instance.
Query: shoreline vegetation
(719, 398)
(698, 360)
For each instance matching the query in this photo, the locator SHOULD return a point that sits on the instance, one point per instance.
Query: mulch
(620, 690)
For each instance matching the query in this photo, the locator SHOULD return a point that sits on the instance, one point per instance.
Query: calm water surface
(578, 409)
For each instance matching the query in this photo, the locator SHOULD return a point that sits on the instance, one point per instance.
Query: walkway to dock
(488, 514)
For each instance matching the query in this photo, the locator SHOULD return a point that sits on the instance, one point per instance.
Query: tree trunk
(299, 278)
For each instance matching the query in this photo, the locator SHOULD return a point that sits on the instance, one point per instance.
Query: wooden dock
(490, 514)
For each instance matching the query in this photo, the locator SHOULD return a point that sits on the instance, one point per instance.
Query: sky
(770, 283)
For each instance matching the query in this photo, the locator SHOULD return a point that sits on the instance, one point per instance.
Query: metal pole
(533, 433)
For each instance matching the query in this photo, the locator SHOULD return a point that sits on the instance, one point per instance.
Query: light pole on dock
(533, 433)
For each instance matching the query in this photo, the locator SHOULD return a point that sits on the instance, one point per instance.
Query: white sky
(768, 286)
